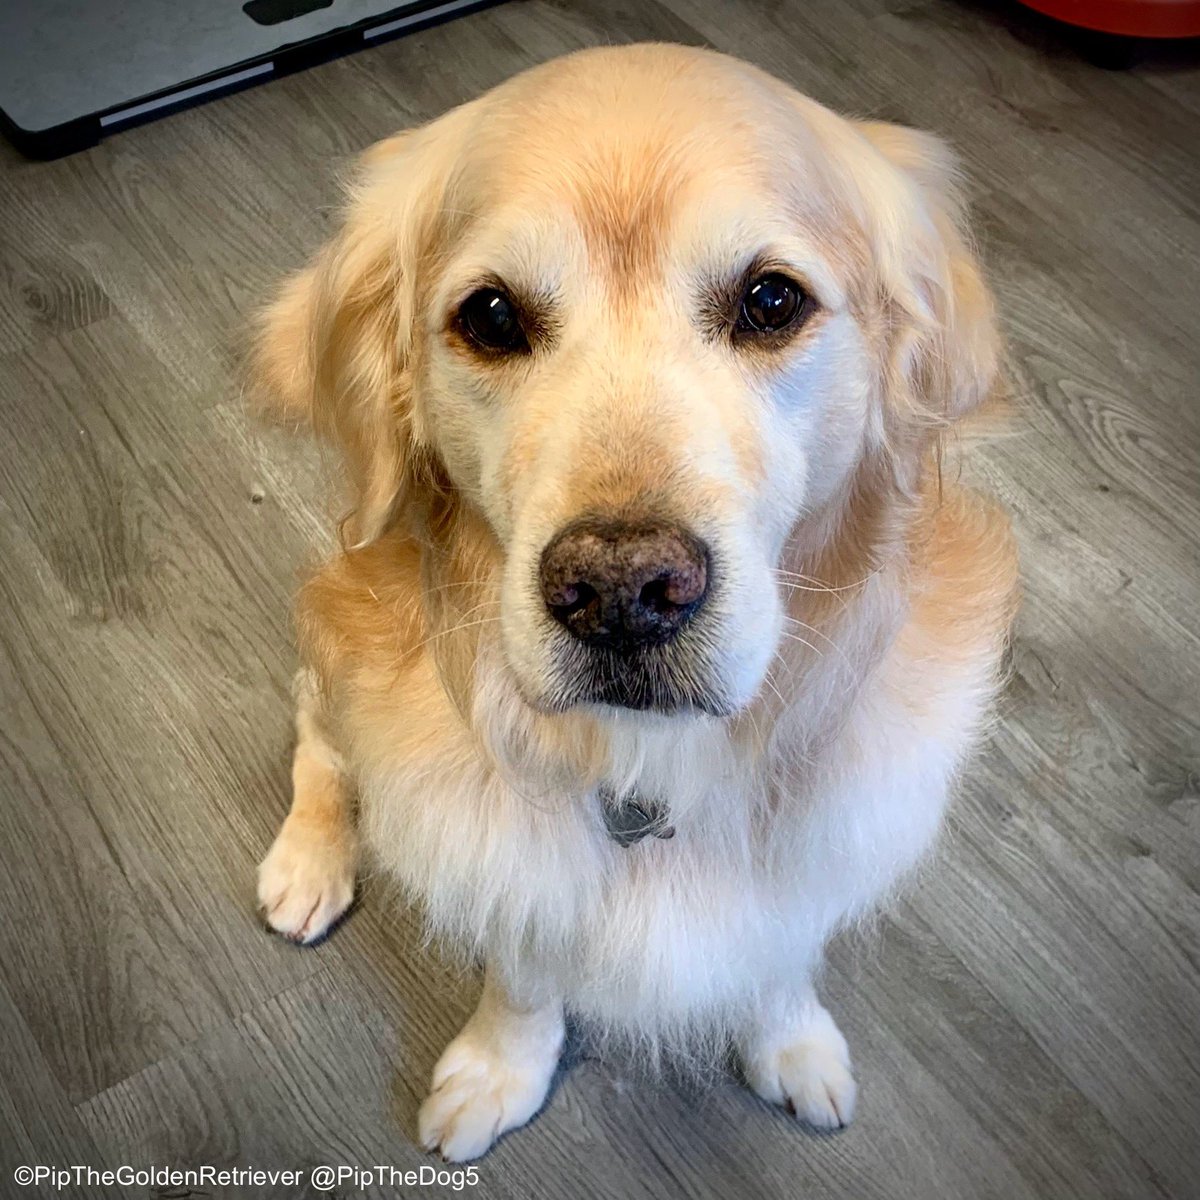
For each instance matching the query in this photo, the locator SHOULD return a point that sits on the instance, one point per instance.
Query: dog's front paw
(481, 1091)
(306, 882)
(808, 1073)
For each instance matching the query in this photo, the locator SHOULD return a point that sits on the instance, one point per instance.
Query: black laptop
(73, 71)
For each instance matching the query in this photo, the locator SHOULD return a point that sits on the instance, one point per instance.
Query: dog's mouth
(661, 679)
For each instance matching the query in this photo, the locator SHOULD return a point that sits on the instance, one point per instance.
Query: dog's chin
(654, 680)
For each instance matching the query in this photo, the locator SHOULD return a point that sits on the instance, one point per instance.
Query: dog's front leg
(306, 882)
(495, 1075)
(794, 1054)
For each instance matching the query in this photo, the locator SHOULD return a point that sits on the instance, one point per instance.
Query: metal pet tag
(630, 818)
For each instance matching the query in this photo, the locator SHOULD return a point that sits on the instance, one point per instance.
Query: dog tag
(630, 818)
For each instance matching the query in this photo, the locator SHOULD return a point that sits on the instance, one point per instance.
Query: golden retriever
(657, 636)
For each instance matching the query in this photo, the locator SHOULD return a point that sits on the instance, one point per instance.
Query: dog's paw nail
(305, 885)
(809, 1077)
(479, 1093)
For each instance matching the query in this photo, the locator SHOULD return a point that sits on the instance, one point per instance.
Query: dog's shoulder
(361, 608)
(966, 573)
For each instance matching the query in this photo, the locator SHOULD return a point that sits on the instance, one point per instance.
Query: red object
(1134, 18)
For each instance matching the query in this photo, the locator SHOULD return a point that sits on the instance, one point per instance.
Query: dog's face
(641, 367)
(647, 311)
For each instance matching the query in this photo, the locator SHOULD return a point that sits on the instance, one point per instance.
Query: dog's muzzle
(628, 593)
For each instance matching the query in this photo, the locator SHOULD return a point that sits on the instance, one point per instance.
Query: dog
(658, 633)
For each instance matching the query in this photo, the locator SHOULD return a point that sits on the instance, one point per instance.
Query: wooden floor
(1026, 1024)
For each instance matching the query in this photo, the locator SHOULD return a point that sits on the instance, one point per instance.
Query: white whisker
(793, 637)
(816, 585)
(771, 684)
(818, 633)
(447, 632)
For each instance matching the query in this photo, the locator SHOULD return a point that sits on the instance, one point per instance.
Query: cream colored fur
(855, 640)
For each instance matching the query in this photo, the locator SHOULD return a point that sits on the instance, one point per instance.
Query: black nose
(622, 585)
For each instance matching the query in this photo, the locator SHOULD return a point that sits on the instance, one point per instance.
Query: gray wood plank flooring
(1025, 1023)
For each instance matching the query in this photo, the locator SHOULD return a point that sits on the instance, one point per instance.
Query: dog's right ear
(333, 350)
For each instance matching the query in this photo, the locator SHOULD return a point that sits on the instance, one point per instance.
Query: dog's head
(645, 313)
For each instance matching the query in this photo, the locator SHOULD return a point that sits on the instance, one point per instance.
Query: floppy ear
(334, 348)
(946, 347)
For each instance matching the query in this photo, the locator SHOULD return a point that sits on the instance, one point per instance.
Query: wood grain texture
(1025, 1025)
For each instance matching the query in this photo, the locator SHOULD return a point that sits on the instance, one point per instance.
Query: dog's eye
(491, 320)
(771, 303)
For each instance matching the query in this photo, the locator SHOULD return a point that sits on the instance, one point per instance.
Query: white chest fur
(768, 859)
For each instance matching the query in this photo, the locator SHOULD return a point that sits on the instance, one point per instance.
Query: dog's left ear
(947, 347)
